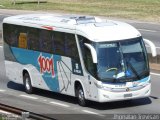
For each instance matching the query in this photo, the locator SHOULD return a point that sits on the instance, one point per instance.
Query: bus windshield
(121, 61)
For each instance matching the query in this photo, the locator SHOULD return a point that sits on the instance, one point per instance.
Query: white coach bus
(81, 56)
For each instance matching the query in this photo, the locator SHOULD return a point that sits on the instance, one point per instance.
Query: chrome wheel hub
(27, 84)
(81, 95)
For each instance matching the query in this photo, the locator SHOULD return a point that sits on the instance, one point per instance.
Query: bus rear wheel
(27, 83)
(80, 96)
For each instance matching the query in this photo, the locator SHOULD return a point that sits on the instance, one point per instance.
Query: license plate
(127, 95)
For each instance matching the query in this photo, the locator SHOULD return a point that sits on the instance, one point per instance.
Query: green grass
(146, 10)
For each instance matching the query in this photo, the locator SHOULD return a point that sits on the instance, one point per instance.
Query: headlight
(100, 85)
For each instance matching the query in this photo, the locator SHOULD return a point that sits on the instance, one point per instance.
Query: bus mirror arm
(152, 46)
(93, 52)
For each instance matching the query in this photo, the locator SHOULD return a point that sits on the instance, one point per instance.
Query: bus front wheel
(80, 96)
(27, 83)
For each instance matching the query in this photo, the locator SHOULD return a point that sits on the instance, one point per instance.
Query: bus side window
(89, 62)
(87, 57)
(33, 39)
(71, 47)
(22, 36)
(10, 34)
(59, 43)
(46, 41)
(22, 40)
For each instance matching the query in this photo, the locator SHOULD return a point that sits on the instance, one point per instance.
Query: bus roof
(93, 28)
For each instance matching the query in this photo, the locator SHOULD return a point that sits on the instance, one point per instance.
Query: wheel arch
(76, 84)
(24, 71)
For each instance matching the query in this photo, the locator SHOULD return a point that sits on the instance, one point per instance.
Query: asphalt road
(149, 31)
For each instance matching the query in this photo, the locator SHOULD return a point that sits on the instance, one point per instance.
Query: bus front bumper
(108, 96)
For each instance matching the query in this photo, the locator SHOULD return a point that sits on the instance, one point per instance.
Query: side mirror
(93, 52)
(152, 46)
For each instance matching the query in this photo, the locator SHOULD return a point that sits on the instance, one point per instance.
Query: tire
(27, 83)
(129, 101)
(80, 96)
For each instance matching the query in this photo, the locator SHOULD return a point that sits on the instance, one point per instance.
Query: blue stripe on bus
(25, 56)
(144, 79)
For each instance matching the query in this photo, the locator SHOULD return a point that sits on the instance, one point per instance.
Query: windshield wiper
(144, 73)
(133, 69)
